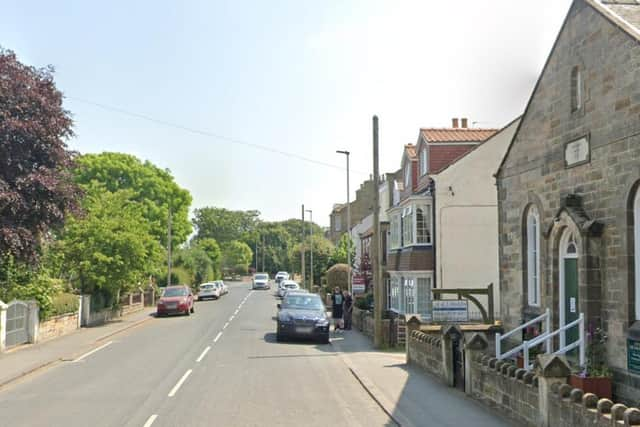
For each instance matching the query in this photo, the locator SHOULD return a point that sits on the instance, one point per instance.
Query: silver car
(287, 285)
(260, 281)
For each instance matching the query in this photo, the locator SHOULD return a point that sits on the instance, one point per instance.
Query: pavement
(222, 366)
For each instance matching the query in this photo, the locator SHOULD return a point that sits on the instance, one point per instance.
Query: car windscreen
(262, 277)
(308, 302)
(206, 286)
(290, 285)
(175, 292)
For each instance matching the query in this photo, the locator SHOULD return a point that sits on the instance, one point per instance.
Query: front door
(571, 297)
(569, 304)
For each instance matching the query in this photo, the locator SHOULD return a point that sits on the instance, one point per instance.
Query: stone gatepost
(475, 345)
(449, 334)
(86, 310)
(553, 369)
(3, 326)
(33, 321)
(413, 324)
(79, 311)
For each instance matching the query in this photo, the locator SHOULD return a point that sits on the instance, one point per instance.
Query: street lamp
(346, 153)
(311, 246)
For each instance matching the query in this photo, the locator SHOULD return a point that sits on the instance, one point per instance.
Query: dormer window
(407, 175)
(576, 89)
(423, 161)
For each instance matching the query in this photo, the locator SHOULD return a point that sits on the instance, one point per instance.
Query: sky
(246, 102)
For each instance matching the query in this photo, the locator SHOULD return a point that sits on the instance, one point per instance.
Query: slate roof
(625, 13)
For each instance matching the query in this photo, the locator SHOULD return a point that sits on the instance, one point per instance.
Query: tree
(322, 253)
(224, 225)
(111, 248)
(154, 189)
(294, 228)
(338, 275)
(36, 189)
(212, 249)
(196, 262)
(339, 255)
(236, 256)
(274, 243)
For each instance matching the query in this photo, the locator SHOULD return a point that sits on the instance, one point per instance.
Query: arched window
(533, 256)
(576, 88)
(636, 252)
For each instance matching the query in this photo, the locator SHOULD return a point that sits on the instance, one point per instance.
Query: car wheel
(193, 309)
(279, 337)
(325, 339)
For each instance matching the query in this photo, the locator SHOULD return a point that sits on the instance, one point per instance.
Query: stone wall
(425, 351)
(58, 326)
(363, 321)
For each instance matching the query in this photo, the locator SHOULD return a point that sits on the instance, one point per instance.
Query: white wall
(467, 218)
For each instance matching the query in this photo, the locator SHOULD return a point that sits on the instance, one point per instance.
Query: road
(218, 367)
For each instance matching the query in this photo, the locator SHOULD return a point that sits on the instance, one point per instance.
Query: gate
(17, 313)
(458, 363)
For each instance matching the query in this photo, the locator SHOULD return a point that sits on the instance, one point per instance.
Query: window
(423, 161)
(337, 222)
(423, 292)
(407, 175)
(409, 295)
(576, 89)
(533, 256)
(387, 287)
(395, 241)
(423, 225)
(407, 226)
(636, 254)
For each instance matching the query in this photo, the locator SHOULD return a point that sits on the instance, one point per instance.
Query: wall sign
(577, 152)
(633, 356)
(450, 310)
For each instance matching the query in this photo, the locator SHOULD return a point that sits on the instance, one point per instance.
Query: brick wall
(57, 326)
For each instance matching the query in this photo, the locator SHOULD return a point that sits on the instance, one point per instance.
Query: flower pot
(600, 386)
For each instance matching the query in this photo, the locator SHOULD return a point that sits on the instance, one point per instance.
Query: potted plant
(595, 376)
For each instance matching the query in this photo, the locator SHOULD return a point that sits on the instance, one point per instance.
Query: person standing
(348, 310)
(337, 301)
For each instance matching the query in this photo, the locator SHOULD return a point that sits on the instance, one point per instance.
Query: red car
(175, 299)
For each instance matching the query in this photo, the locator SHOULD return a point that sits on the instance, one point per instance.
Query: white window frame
(409, 295)
(533, 257)
(410, 290)
(408, 226)
(636, 253)
(407, 175)
(423, 161)
(395, 242)
(337, 223)
(426, 213)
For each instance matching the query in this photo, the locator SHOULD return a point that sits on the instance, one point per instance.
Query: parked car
(223, 287)
(287, 285)
(298, 291)
(209, 291)
(302, 315)
(281, 276)
(260, 281)
(175, 300)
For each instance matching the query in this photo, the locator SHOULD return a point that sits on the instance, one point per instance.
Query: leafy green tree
(111, 248)
(322, 252)
(196, 262)
(236, 256)
(154, 189)
(212, 249)
(274, 244)
(339, 255)
(36, 189)
(224, 225)
(294, 228)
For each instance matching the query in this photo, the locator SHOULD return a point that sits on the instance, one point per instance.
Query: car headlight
(322, 322)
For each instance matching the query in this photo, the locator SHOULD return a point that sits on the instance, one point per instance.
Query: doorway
(569, 298)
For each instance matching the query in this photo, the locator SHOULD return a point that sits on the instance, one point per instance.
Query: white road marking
(175, 388)
(150, 421)
(93, 351)
(235, 312)
(225, 325)
(217, 337)
(206, 350)
(231, 318)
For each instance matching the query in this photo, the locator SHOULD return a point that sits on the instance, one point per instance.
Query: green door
(571, 298)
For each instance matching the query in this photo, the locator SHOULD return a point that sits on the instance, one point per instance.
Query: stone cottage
(569, 205)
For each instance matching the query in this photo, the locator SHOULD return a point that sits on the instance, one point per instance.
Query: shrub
(64, 303)
(338, 275)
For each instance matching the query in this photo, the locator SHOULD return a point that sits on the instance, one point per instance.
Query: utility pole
(256, 254)
(346, 153)
(169, 249)
(378, 290)
(311, 247)
(263, 253)
(302, 262)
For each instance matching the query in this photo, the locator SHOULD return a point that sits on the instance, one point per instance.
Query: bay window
(407, 226)
(395, 240)
(423, 225)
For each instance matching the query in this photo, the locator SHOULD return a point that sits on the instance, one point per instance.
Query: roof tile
(453, 135)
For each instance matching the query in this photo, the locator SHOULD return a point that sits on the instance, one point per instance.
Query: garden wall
(58, 326)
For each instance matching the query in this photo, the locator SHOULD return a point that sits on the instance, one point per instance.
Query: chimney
(464, 123)
(454, 123)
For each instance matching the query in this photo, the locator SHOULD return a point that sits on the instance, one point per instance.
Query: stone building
(568, 195)
(360, 208)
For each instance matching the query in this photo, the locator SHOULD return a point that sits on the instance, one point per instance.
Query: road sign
(450, 310)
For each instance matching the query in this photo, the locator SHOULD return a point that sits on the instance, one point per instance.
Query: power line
(205, 133)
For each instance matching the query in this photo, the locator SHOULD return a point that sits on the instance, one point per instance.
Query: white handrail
(546, 316)
(545, 337)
